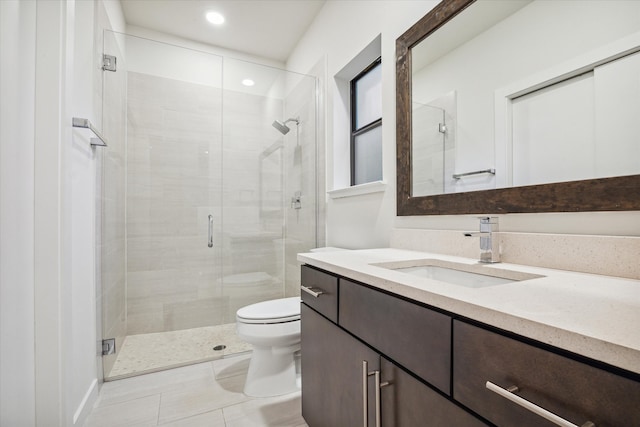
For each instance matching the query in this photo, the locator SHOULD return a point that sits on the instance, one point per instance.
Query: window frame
(365, 128)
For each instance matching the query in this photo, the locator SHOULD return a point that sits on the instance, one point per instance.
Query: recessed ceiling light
(215, 18)
(248, 82)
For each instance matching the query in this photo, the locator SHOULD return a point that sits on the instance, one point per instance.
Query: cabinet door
(332, 377)
(415, 337)
(407, 402)
(570, 389)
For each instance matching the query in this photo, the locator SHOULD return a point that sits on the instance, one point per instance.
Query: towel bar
(460, 175)
(85, 123)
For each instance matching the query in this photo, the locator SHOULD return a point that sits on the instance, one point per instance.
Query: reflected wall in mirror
(499, 101)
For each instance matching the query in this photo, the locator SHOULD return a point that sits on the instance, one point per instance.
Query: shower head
(282, 126)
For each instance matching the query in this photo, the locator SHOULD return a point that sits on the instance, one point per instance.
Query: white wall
(339, 33)
(17, 87)
(366, 220)
(51, 266)
(171, 62)
(47, 177)
(79, 214)
(189, 44)
(64, 214)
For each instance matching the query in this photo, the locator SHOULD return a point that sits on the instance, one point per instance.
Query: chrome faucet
(489, 244)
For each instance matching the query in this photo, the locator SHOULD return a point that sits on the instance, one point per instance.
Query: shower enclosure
(429, 150)
(433, 133)
(204, 204)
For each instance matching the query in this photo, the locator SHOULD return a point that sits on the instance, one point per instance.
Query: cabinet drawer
(570, 389)
(325, 286)
(415, 337)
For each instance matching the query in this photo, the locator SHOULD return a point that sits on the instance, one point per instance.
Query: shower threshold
(146, 353)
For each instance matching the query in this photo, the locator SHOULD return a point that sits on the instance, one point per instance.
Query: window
(366, 125)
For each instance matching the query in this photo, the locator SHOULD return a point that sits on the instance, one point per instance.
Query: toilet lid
(273, 311)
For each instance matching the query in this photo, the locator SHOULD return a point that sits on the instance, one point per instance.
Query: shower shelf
(85, 123)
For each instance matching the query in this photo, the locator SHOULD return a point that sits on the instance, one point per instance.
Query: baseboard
(84, 409)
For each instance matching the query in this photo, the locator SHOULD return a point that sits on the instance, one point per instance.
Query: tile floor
(206, 394)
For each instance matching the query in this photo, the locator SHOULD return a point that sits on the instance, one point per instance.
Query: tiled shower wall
(174, 183)
(179, 172)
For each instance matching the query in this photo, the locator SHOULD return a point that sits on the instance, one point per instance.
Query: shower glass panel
(269, 201)
(111, 225)
(168, 199)
(428, 155)
(197, 219)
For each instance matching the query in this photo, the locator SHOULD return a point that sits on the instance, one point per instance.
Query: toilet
(273, 329)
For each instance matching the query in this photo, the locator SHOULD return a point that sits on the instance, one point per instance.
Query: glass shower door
(163, 191)
(205, 203)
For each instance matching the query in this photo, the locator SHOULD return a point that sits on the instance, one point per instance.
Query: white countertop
(592, 315)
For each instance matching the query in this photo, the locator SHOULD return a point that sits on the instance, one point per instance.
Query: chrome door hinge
(108, 62)
(442, 128)
(108, 346)
(296, 200)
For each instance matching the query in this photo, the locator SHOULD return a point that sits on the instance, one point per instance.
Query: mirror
(462, 87)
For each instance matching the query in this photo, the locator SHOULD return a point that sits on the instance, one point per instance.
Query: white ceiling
(265, 28)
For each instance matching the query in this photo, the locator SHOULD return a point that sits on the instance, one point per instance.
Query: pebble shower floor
(145, 353)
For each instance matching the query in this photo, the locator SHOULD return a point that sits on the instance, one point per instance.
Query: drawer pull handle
(311, 292)
(365, 393)
(509, 395)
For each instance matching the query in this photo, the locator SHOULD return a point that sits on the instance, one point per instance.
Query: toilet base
(272, 372)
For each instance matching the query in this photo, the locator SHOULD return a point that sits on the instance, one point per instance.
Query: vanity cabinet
(433, 368)
(572, 390)
(353, 366)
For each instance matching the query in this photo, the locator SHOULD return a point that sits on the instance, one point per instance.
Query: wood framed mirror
(618, 193)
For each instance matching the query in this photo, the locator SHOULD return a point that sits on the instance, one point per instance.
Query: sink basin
(467, 275)
(455, 277)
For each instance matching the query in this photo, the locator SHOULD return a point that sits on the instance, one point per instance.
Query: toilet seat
(274, 311)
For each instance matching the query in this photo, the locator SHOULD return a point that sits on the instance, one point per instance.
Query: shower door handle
(210, 244)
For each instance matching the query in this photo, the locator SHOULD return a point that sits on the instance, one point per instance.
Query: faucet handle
(489, 244)
(488, 223)
(488, 219)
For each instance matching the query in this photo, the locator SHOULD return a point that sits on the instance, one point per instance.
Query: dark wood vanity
(371, 358)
